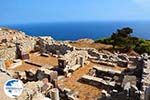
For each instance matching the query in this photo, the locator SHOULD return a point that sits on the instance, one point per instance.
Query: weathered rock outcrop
(10, 35)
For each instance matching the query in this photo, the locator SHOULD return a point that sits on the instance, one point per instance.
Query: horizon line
(1, 25)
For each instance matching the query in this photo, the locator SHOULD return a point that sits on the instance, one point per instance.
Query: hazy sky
(36, 11)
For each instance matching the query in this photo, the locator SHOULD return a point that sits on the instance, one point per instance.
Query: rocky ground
(86, 92)
(34, 47)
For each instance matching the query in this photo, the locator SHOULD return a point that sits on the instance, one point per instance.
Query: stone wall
(48, 45)
(58, 48)
(27, 45)
(145, 79)
(75, 57)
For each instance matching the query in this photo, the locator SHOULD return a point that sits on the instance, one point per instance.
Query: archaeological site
(57, 70)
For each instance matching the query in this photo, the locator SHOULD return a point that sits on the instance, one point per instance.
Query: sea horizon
(80, 30)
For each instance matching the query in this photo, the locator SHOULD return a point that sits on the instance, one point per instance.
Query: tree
(122, 37)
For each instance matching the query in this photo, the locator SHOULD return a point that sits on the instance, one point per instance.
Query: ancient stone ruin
(72, 60)
(117, 75)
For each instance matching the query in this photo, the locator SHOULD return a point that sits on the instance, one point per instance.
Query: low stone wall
(145, 80)
(27, 45)
(94, 53)
(48, 45)
(61, 49)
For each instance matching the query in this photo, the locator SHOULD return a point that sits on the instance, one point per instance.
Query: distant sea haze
(79, 30)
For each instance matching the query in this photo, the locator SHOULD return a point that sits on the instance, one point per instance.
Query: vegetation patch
(123, 40)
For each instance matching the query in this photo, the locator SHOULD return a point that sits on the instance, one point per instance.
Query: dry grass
(97, 46)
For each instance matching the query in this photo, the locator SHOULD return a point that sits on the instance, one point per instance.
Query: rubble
(117, 76)
(2, 65)
(8, 53)
(129, 79)
(7, 35)
(106, 75)
(55, 94)
(145, 77)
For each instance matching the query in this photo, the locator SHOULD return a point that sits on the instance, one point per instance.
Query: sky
(38, 11)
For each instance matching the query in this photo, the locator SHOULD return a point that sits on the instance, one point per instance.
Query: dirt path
(86, 92)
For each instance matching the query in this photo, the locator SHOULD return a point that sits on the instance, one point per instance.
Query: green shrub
(122, 38)
(143, 47)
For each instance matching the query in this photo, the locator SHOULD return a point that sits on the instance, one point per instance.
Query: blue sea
(78, 30)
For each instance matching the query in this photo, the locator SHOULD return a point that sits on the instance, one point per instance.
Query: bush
(143, 47)
(104, 40)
